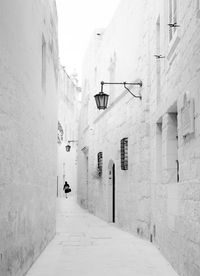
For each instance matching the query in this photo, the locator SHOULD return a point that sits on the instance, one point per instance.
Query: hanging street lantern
(102, 98)
(68, 147)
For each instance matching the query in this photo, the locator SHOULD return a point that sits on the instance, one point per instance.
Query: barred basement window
(124, 154)
(100, 163)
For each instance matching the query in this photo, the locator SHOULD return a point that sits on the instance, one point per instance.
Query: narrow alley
(100, 100)
(88, 246)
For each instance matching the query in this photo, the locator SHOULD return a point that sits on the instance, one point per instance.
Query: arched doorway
(111, 191)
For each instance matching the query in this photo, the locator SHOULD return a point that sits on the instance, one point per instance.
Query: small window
(198, 4)
(198, 9)
(124, 154)
(60, 133)
(172, 17)
(100, 163)
(170, 149)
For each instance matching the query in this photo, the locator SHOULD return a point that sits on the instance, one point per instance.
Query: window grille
(60, 133)
(100, 163)
(124, 154)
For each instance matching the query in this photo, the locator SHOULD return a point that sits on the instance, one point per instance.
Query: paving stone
(88, 246)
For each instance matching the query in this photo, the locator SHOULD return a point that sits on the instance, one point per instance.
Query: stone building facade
(69, 97)
(139, 160)
(28, 131)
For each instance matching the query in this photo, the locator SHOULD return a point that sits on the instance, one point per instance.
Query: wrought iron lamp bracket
(124, 83)
(72, 141)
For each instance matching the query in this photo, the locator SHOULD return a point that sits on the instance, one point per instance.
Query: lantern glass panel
(97, 100)
(106, 101)
(101, 100)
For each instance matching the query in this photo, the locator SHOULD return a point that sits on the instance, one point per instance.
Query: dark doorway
(113, 193)
(111, 203)
(57, 187)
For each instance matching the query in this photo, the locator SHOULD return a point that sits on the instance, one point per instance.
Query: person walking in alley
(66, 188)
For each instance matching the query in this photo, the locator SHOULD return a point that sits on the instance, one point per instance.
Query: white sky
(77, 20)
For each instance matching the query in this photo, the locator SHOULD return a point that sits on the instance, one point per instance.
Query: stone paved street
(87, 246)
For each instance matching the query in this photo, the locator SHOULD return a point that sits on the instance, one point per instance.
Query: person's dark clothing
(66, 188)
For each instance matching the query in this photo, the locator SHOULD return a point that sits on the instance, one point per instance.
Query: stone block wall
(28, 131)
(158, 196)
(175, 216)
(126, 117)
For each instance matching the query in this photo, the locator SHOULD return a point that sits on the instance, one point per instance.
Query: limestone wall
(158, 196)
(175, 202)
(28, 131)
(126, 117)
